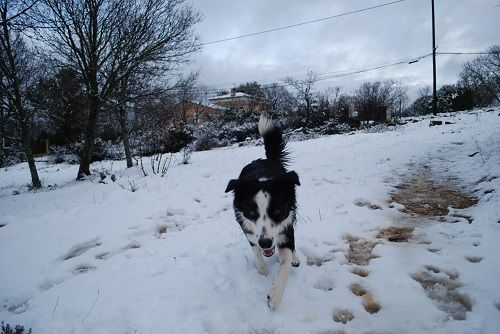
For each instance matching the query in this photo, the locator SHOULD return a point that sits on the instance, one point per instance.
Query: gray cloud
(357, 41)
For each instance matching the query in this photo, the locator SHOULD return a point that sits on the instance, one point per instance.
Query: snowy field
(90, 257)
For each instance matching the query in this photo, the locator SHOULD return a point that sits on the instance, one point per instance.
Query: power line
(334, 75)
(348, 72)
(303, 23)
(465, 53)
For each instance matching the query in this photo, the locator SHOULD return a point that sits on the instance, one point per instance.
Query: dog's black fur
(266, 185)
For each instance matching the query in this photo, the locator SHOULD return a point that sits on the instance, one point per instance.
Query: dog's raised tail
(274, 142)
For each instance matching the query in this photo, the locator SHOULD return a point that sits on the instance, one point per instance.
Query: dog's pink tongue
(268, 252)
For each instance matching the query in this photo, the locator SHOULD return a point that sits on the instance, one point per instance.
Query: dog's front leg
(259, 261)
(279, 284)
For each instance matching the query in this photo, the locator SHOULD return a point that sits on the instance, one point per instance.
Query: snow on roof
(230, 96)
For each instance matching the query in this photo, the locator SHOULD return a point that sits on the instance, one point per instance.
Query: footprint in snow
(360, 272)
(474, 259)
(440, 286)
(325, 284)
(342, 315)
(434, 249)
(81, 248)
(368, 299)
(84, 268)
(368, 204)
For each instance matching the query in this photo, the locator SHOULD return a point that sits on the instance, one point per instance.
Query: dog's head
(265, 207)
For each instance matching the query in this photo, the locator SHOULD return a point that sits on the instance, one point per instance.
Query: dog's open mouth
(268, 252)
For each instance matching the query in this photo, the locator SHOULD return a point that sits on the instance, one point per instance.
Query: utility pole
(434, 97)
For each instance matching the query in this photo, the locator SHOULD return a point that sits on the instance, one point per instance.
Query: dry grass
(342, 315)
(359, 271)
(395, 234)
(360, 250)
(423, 195)
(369, 303)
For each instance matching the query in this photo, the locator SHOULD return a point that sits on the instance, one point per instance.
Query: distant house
(194, 113)
(239, 101)
(380, 114)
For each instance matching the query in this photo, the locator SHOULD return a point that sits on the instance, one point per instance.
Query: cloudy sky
(385, 35)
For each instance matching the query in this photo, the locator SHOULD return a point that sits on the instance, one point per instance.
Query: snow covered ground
(90, 257)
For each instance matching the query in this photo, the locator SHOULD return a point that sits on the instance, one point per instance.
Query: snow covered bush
(60, 154)
(6, 329)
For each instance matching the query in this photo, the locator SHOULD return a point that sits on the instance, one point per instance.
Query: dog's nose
(265, 243)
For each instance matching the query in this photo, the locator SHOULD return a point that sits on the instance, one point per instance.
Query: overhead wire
(302, 23)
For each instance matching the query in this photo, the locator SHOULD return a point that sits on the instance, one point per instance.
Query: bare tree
(110, 41)
(17, 73)
(483, 73)
(373, 99)
(279, 99)
(305, 93)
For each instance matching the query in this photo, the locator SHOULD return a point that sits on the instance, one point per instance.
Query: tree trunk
(88, 145)
(122, 116)
(26, 140)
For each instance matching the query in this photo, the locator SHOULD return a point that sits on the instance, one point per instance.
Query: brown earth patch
(424, 195)
(395, 234)
(360, 250)
(369, 303)
(360, 272)
(357, 289)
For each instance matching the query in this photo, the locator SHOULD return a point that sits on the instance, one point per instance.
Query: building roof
(230, 96)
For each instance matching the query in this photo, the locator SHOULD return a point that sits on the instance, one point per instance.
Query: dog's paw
(262, 269)
(295, 260)
(274, 298)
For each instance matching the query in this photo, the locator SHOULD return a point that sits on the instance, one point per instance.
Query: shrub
(6, 329)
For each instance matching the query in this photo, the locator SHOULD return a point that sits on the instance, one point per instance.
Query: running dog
(265, 207)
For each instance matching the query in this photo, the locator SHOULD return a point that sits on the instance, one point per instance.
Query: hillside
(398, 232)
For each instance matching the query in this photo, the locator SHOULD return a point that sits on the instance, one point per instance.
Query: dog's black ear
(232, 185)
(292, 177)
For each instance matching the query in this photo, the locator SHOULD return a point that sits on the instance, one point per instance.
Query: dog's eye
(252, 214)
(276, 212)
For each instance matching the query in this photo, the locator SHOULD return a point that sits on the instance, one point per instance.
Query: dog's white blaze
(272, 229)
(263, 224)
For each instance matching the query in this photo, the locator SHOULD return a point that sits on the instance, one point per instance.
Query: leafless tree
(278, 97)
(17, 72)
(305, 93)
(483, 73)
(373, 99)
(108, 42)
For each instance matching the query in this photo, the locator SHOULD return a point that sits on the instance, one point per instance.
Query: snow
(90, 257)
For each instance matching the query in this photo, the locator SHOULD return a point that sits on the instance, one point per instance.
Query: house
(378, 114)
(194, 113)
(239, 101)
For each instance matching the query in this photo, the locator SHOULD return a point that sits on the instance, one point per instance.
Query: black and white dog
(265, 206)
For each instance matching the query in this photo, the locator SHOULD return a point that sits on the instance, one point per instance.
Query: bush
(60, 154)
(6, 329)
